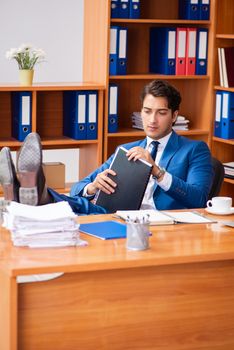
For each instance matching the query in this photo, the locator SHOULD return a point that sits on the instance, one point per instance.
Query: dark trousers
(79, 205)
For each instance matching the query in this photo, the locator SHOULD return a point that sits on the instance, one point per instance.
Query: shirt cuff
(166, 182)
(85, 194)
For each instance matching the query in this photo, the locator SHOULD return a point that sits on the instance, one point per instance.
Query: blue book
(162, 50)
(204, 10)
(122, 51)
(227, 128)
(105, 230)
(92, 115)
(113, 109)
(201, 51)
(189, 9)
(114, 50)
(74, 114)
(115, 8)
(21, 107)
(134, 9)
(218, 114)
(124, 8)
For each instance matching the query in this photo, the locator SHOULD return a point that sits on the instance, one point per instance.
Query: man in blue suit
(181, 177)
(182, 171)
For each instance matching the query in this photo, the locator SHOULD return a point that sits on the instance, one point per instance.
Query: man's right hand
(102, 182)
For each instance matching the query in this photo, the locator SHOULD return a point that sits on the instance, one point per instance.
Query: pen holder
(137, 236)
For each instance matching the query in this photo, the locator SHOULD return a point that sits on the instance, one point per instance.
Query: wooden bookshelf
(224, 37)
(197, 94)
(47, 120)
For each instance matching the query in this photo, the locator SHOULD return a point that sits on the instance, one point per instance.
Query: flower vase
(26, 77)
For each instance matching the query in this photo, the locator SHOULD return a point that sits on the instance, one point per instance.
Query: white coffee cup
(220, 204)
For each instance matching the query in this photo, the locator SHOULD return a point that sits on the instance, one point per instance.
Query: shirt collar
(163, 141)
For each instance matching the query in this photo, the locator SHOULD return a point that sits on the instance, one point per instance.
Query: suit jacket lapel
(170, 149)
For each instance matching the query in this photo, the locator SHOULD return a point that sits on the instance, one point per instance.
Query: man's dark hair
(161, 88)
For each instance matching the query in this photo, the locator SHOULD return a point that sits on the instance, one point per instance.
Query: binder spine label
(25, 110)
(81, 109)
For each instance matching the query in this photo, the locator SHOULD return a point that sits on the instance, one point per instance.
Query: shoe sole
(29, 162)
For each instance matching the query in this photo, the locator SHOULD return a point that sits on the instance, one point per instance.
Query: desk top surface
(169, 244)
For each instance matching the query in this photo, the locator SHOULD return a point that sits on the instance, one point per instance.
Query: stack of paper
(137, 120)
(229, 169)
(181, 123)
(51, 225)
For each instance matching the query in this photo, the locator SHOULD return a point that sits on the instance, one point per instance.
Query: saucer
(219, 212)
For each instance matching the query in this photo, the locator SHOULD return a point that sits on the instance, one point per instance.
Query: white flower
(11, 53)
(26, 56)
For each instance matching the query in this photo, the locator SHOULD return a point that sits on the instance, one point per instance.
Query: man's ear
(174, 117)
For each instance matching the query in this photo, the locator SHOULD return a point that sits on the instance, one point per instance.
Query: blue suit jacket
(189, 163)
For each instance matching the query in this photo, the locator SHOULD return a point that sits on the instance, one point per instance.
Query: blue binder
(74, 114)
(227, 129)
(105, 229)
(189, 9)
(114, 47)
(92, 115)
(218, 114)
(134, 9)
(162, 50)
(115, 8)
(113, 109)
(204, 10)
(124, 8)
(122, 51)
(21, 107)
(201, 51)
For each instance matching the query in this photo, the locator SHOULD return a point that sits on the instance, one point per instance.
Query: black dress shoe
(33, 190)
(8, 178)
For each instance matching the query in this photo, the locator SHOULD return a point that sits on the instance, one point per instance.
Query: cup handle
(209, 203)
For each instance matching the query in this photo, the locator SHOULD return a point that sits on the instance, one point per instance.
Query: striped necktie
(154, 149)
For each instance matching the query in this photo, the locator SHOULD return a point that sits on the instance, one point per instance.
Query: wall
(56, 26)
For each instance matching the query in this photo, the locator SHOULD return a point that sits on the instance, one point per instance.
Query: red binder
(191, 51)
(181, 51)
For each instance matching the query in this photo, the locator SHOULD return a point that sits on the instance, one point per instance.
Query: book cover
(131, 178)
(104, 230)
(228, 66)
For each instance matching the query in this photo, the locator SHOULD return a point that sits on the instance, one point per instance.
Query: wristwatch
(160, 173)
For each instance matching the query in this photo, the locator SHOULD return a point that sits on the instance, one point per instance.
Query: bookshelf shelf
(47, 120)
(158, 76)
(229, 181)
(228, 142)
(159, 21)
(225, 36)
(137, 132)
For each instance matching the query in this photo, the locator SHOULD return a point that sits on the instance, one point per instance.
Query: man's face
(157, 118)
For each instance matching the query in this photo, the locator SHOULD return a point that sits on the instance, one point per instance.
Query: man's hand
(102, 182)
(136, 153)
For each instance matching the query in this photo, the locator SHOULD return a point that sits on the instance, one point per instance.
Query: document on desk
(104, 230)
(156, 217)
(46, 226)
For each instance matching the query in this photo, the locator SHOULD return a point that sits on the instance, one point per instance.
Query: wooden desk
(178, 295)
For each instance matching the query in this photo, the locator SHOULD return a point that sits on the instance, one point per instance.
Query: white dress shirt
(165, 183)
